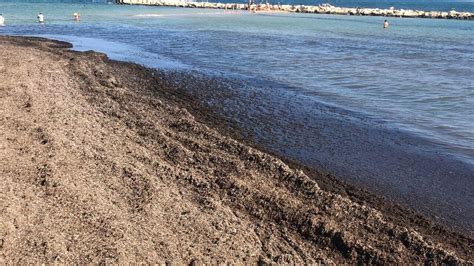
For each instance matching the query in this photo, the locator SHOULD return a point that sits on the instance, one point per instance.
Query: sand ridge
(100, 165)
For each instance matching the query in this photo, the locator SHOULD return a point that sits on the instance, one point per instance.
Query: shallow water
(417, 75)
(299, 69)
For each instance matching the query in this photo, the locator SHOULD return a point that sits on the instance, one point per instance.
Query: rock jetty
(319, 9)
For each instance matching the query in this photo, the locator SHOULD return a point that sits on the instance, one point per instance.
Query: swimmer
(40, 18)
(2, 20)
(385, 24)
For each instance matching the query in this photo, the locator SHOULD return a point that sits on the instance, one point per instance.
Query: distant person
(250, 6)
(40, 18)
(385, 24)
(2, 20)
(77, 16)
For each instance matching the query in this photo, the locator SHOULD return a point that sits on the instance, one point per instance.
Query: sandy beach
(105, 162)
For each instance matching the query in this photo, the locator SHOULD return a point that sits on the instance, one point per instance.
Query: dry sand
(100, 162)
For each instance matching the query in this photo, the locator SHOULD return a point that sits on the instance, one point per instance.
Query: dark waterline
(391, 162)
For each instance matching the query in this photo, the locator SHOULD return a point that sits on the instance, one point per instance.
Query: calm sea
(417, 76)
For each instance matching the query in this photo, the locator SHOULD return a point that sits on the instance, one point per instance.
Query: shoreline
(137, 104)
(332, 180)
(399, 165)
(432, 143)
(320, 9)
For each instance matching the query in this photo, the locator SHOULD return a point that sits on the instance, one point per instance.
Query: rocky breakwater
(319, 9)
(329, 9)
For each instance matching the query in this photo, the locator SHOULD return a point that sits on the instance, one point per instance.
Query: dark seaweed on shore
(107, 162)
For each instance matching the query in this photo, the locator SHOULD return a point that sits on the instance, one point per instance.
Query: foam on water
(121, 52)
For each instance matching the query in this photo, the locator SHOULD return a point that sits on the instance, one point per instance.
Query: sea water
(418, 75)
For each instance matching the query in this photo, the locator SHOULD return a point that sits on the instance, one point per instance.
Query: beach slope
(101, 163)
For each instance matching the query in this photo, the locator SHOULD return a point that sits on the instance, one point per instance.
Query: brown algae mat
(101, 162)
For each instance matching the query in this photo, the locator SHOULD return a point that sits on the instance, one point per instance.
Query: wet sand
(409, 169)
(106, 162)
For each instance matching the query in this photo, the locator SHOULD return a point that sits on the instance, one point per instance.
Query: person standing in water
(40, 18)
(2, 20)
(77, 17)
(385, 24)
